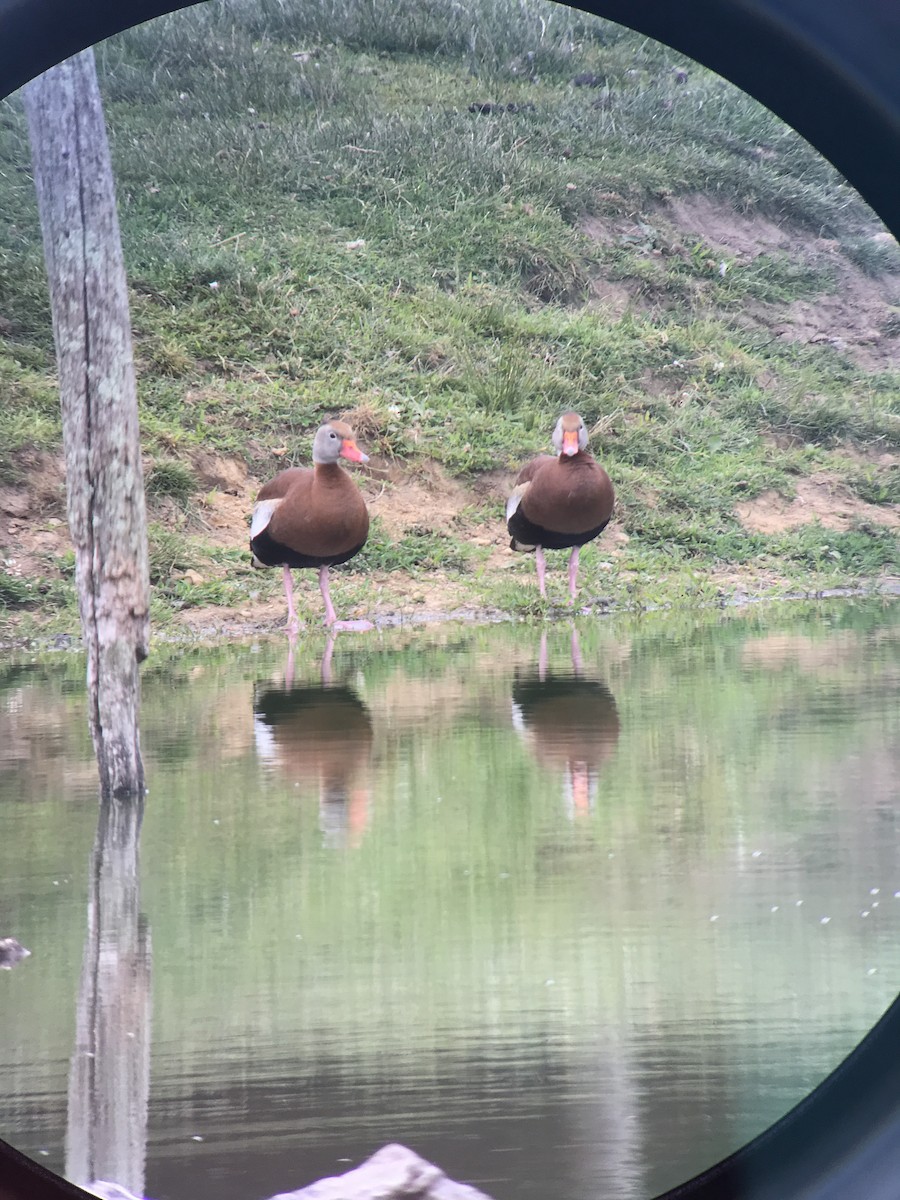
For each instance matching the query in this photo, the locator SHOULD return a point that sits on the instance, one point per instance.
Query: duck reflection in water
(570, 723)
(319, 733)
(11, 953)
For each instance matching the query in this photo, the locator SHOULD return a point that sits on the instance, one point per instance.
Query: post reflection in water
(571, 724)
(109, 1077)
(321, 733)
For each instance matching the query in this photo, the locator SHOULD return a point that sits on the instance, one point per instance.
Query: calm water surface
(571, 916)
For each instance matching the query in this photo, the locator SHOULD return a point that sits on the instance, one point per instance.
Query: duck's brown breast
(569, 495)
(323, 514)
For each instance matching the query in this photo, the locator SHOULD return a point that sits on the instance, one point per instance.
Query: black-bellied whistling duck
(560, 501)
(313, 518)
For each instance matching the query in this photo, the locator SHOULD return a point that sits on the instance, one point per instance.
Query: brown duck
(313, 517)
(560, 502)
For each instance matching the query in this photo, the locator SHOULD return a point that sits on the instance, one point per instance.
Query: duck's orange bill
(350, 450)
(570, 442)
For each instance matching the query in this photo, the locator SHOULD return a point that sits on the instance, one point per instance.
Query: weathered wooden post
(92, 331)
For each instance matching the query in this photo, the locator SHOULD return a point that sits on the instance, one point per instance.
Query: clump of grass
(29, 409)
(877, 485)
(221, 592)
(163, 356)
(172, 478)
(862, 551)
(506, 383)
(873, 255)
(16, 592)
(169, 552)
(719, 540)
(420, 549)
(699, 275)
(223, 577)
(823, 417)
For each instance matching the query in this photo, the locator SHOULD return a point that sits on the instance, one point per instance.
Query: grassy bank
(451, 224)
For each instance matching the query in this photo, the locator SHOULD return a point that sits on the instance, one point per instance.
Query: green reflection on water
(465, 841)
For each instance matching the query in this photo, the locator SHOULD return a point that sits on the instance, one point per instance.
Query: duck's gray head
(335, 440)
(570, 435)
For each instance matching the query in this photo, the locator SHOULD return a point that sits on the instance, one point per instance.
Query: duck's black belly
(528, 534)
(272, 553)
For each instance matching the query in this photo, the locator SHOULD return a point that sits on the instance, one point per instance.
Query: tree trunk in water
(92, 331)
(109, 1075)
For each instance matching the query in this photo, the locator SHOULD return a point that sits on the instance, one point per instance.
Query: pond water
(572, 911)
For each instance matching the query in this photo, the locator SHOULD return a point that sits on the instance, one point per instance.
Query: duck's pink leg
(293, 623)
(326, 596)
(541, 568)
(573, 573)
(330, 615)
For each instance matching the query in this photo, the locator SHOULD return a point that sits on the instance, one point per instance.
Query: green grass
(314, 222)
(169, 477)
(16, 592)
(420, 549)
(877, 485)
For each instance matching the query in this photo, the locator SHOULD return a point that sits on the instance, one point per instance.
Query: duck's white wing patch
(515, 498)
(262, 515)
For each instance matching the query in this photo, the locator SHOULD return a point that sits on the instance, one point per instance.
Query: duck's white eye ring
(332, 434)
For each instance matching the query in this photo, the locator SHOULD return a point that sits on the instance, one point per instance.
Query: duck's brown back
(528, 471)
(278, 488)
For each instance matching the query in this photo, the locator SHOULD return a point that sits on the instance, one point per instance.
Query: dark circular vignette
(830, 71)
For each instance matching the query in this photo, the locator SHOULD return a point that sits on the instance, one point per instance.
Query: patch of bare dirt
(227, 473)
(870, 455)
(668, 383)
(819, 498)
(223, 517)
(858, 319)
(744, 236)
(615, 298)
(425, 497)
(43, 485)
(604, 230)
(854, 321)
(33, 528)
